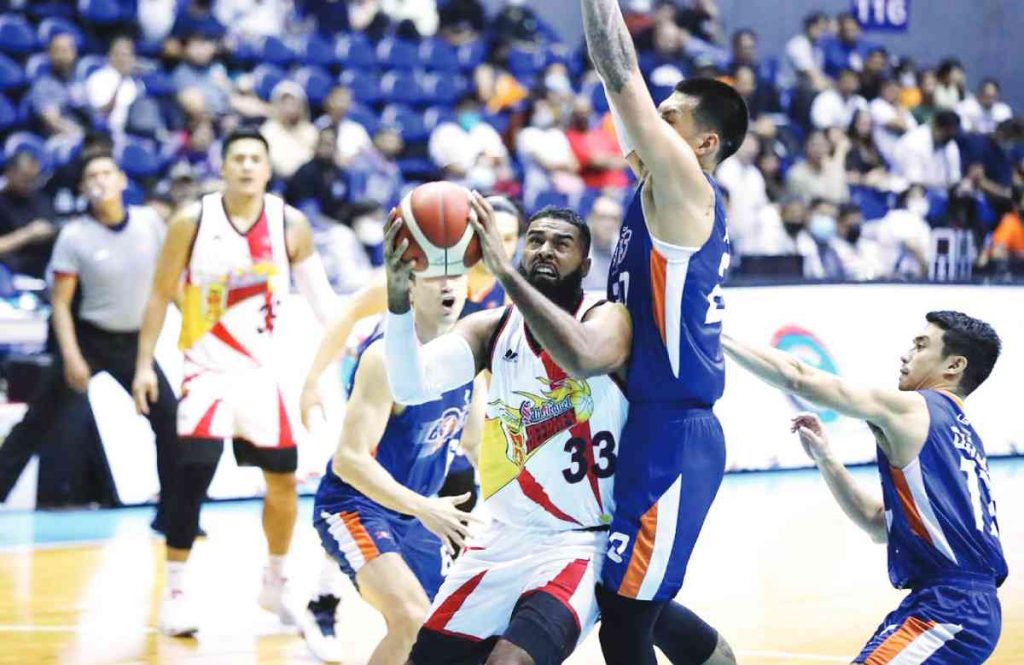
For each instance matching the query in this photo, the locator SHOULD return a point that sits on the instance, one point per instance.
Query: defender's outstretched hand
(812, 437)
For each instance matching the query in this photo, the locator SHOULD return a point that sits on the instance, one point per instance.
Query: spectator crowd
(855, 156)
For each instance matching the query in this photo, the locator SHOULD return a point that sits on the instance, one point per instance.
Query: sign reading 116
(893, 15)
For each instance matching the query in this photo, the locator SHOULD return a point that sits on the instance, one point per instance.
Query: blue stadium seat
(37, 65)
(418, 169)
(58, 26)
(61, 151)
(409, 123)
(100, 12)
(26, 142)
(315, 81)
(443, 89)
(11, 75)
(599, 99)
(400, 87)
(266, 78)
(158, 84)
(438, 55)
(245, 54)
(8, 114)
(320, 51)
(139, 159)
(43, 10)
(365, 117)
(364, 85)
(273, 51)
(500, 121)
(134, 194)
(873, 204)
(88, 64)
(17, 37)
(545, 199)
(436, 115)
(393, 53)
(525, 63)
(586, 202)
(472, 55)
(355, 51)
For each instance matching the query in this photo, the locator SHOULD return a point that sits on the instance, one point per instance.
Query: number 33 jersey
(939, 512)
(550, 444)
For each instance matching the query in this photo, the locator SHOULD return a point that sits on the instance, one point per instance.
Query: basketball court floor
(779, 570)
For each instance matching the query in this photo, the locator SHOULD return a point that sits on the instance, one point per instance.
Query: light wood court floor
(779, 570)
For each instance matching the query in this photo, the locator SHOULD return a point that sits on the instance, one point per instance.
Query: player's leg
(686, 639)
(667, 484)
(391, 587)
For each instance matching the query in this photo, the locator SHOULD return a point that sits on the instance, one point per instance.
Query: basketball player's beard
(566, 292)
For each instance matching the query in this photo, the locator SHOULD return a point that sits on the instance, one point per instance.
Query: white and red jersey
(550, 442)
(234, 286)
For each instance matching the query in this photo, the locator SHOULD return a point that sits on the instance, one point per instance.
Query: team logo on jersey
(441, 431)
(519, 431)
(808, 348)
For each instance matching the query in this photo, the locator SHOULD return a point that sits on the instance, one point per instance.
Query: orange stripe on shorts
(359, 534)
(911, 629)
(641, 557)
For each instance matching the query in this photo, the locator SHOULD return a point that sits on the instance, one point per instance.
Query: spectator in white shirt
(982, 112)
(903, 236)
(253, 18)
(891, 121)
(468, 149)
(352, 137)
(782, 231)
(834, 108)
(803, 63)
(747, 191)
(548, 160)
(822, 172)
(860, 256)
(421, 14)
(605, 222)
(289, 133)
(952, 82)
(112, 88)
(929, 155)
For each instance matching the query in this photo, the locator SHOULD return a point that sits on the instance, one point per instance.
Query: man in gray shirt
(107, 256)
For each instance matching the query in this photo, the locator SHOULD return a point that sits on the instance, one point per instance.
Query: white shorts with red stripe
(245, 404)
(505, 564)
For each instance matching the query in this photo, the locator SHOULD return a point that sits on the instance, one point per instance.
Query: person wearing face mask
(860, 256)
(106, 258)
(468, 146)
(784, 231)
(547, 156)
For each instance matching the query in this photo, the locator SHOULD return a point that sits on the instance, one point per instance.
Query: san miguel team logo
(539, 418)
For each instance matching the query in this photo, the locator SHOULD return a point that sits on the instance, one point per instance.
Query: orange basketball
(441, 239)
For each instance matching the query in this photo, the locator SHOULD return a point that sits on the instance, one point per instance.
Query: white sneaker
(275, 597)
(316, 623)
(177, 618)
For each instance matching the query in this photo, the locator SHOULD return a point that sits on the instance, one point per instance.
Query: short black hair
(971, 338)
(569, 216)
(947, 119)
(722, 109)
(988, 80)
(241, 134)
(847, 209)
(21, 155)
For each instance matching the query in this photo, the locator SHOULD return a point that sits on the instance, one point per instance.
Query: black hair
(947, 66)
(813, 19)
(847, 209)
(90, 155)
(569, 216)
(720, 108)
(971, 338)
(19, 157)
(988, 80)
(743, 32)
(947, 119)
(241, 134)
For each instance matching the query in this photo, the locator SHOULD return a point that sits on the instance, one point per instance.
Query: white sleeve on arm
(625, 143)
(422, 374)
(311, 280)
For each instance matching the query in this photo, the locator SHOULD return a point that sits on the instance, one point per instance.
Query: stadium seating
(17, 38)
(316, 81)
(56, 25)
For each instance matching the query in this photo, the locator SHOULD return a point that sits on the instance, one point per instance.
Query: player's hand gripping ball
(435, 220)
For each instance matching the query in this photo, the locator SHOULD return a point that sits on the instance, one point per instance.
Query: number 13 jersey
(939, 512)
(550, 444)
(674, 297)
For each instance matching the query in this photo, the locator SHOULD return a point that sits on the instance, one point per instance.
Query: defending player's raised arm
(898, 414)
(679, 184)
(174, 256)
(308, 269)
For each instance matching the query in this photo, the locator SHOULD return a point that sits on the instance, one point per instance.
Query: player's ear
(956, 365)
(586, 266)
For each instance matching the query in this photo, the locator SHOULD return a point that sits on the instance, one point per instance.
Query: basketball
(441, 239)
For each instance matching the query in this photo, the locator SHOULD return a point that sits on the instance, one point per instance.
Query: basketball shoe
(316, 623)
(275, 597)
(177, 618)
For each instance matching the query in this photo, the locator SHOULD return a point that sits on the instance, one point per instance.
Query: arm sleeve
(311, 280)
(625, 143)
(422, 374)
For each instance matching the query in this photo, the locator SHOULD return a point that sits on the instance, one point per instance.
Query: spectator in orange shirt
(1008, 239)
(601, 162)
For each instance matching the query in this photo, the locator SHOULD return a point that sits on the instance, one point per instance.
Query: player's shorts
(354, 530)
(493, 576)
(671, 463)
(953, 621)
(248, 405)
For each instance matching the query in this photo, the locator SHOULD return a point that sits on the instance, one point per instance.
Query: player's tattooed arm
(610, 44)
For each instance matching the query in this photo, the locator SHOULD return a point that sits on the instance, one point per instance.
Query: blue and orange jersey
(417, 446)
(674, 296)
(939, 511)
(492, 298)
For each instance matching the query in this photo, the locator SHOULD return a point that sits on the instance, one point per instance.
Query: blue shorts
(671, 463)
(355, 531)
(952, 623)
